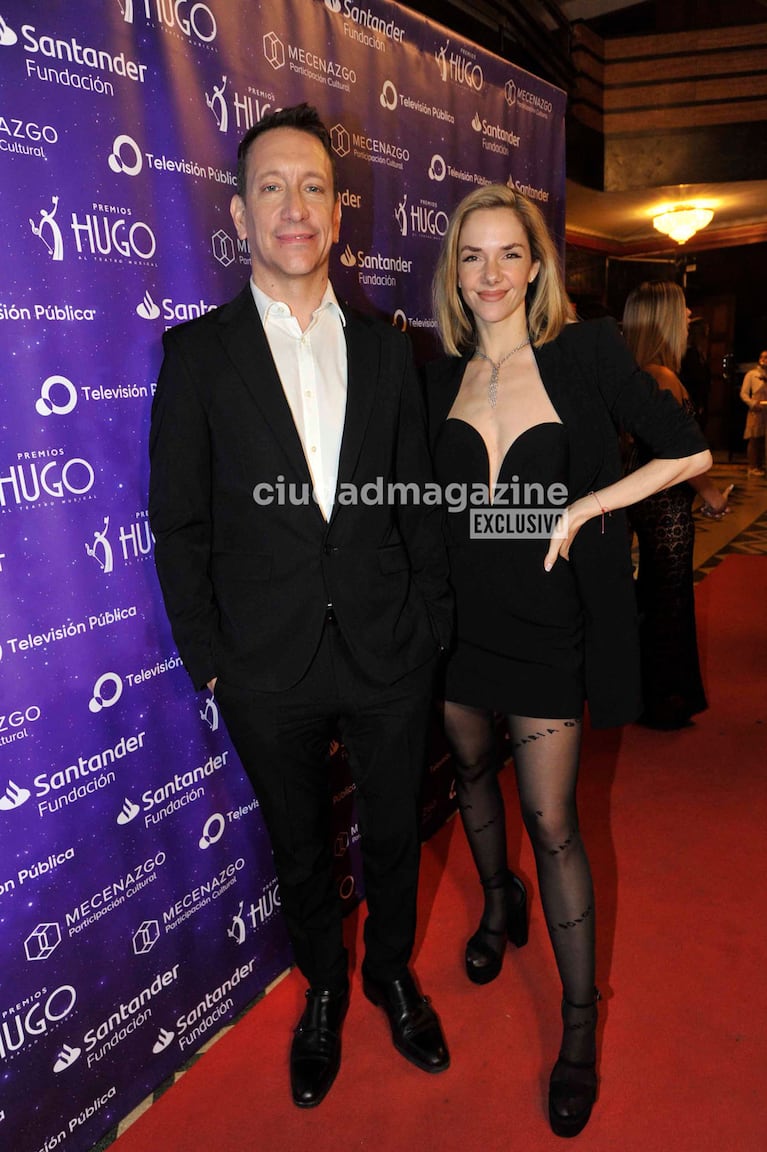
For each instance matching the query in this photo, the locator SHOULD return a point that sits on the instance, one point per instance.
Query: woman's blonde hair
(655, 324)
(548, 308)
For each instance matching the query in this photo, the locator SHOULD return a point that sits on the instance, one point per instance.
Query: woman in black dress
(523, 412)
(655, 320)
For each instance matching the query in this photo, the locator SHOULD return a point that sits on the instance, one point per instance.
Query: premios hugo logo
(258, 913)
(210, 714)
(422, 218)
(240, 110)
(120, 543)
(189, 18)
(22, 1025)
(48, 230)
(459, 67)
(218, 106)
(44, 476)
(103, 231)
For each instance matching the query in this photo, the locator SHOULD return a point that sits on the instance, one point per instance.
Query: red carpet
(676, 829)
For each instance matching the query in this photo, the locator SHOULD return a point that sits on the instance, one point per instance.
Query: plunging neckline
(517, 438)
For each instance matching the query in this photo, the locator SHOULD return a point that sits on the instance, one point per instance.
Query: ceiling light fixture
(683, 221)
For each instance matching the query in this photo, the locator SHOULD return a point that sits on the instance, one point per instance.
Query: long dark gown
(671, 681)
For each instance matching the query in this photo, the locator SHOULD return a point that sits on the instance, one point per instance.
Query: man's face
(290, 215)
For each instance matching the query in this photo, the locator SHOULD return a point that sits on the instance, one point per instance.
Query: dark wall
(678, 16)
(600, 282)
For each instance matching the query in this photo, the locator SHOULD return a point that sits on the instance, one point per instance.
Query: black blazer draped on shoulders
(596, 388)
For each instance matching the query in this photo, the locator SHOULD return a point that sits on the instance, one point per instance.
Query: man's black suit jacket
(246, 581)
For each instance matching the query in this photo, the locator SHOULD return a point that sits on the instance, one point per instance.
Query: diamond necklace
(492, 388)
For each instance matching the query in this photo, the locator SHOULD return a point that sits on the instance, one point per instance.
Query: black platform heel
(573, 1083)
(483, 961)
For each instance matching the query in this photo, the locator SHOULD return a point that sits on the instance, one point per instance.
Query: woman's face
(494, 264)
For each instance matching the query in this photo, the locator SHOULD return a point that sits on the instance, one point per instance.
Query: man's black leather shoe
(415, 1027)
(315, 1054)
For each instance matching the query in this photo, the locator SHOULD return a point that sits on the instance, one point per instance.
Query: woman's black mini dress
(519, 647)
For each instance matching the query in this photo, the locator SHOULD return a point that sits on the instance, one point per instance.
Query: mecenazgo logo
(534, 103)
(25, 137)
(10, 722)
(111, 896)
(310, 64)
(369, 148)
(201, 895)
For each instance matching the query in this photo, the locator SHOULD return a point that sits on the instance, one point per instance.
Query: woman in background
(694, 371)
(753, 393)
(655, 322)
(524, 397)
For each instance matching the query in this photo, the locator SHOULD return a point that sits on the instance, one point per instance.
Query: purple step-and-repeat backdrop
(138, 905)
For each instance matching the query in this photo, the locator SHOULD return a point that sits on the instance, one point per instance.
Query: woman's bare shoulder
(665, 378)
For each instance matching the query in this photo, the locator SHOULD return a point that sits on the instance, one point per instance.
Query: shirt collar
(268, 306)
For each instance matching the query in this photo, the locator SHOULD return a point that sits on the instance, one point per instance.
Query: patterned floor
(742, 531)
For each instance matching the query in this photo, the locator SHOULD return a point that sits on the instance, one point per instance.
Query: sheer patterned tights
(546, 764)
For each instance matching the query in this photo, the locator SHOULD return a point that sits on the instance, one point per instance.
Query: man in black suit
(302, 585)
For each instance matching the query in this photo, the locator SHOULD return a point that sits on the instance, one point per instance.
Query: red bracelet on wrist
(603, 510)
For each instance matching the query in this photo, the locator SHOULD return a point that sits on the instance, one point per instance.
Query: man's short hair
(303, 117)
